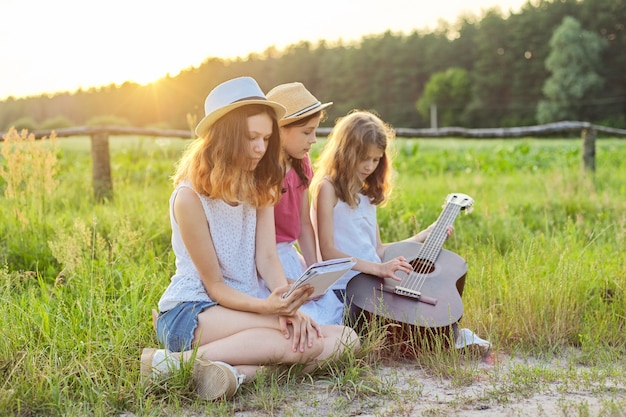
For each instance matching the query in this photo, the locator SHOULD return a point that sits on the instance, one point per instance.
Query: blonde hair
(216, 164)
(348, 145)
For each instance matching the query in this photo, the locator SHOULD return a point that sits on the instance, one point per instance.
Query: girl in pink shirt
(295, 238)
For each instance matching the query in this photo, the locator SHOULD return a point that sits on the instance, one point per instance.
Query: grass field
(545, 247)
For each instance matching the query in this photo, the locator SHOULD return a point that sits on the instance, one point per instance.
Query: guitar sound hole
(423, 266)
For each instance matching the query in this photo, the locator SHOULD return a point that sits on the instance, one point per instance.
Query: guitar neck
(431, 248)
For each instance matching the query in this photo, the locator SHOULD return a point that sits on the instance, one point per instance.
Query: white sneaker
(466, 337)
(212, 380)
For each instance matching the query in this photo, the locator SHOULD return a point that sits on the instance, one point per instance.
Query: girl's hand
(388, 269)
(423, 235)
(288, 306)
(304, 329)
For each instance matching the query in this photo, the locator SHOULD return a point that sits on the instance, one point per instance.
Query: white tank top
(355, 233)
(233, 230)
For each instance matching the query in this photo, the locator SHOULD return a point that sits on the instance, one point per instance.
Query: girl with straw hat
(291, 213)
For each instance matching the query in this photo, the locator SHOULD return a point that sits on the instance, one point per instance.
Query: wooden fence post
(589, 149)
(102, 183)
(433, 116)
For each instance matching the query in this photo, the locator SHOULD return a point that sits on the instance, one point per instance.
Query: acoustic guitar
(430, 295)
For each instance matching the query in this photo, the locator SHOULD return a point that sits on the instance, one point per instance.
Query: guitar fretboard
(434, 242)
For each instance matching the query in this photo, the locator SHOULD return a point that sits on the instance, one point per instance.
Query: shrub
(57, 122)
(107, 119)
(27, 123)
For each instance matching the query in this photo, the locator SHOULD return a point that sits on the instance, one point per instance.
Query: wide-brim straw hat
(298, 101)
(231, 95)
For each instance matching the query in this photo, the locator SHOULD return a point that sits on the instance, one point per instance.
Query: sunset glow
(48, 47)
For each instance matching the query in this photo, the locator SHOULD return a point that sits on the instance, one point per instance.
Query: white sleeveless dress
(233, 230)
(354, 234)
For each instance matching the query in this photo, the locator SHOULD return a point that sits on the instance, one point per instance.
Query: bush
(107, 119)
(58, 122)
(27, 123)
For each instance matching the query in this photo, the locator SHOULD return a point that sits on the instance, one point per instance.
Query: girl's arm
(380, 246)
(306, 240)
(267, 260)
(271, 270)
(196, 236)
(421, 236)
(417, 238)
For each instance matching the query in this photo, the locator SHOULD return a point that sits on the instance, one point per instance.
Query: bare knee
(346, 338)
(350, 339)
(310, 352)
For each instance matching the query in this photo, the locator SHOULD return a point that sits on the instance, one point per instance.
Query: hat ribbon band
(251, 98)
(304, 110)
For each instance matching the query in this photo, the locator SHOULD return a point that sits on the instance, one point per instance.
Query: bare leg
(155, 316)
(248, 341)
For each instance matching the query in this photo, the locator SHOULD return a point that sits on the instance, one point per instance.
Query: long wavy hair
(348, 145)
(216, 164)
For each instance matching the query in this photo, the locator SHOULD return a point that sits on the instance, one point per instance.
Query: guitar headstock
(462, 200)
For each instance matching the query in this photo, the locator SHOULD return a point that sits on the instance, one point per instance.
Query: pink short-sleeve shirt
(287, 210)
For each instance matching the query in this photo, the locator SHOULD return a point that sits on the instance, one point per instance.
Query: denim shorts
(175, 328)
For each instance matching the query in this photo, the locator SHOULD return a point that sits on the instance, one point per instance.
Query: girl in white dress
(353, 177)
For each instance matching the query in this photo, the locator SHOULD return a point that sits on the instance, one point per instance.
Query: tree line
(551, 61)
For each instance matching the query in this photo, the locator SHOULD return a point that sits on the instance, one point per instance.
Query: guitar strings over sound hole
(422, 266)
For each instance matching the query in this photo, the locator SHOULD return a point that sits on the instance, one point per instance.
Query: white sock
(164, 362)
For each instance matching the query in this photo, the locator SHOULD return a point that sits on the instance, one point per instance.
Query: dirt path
(498, 385)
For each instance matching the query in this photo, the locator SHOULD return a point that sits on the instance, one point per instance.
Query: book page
(323, 275)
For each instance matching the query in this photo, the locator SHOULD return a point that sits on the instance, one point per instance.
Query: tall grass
(544, 246)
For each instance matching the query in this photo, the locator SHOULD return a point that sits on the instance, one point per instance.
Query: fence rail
(103, 184)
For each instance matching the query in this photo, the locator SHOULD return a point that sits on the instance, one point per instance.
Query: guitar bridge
(407, 292)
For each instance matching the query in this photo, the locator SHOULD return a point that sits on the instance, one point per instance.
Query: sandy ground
(498, 385)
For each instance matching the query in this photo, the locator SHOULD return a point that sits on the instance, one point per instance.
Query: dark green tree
(504, 57)
(608, 19)
(573, 62)
(492, 74)
(449, 91)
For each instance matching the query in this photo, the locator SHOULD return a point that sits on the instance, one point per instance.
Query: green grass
(544, 245)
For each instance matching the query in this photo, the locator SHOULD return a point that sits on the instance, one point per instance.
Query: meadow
(545, 247)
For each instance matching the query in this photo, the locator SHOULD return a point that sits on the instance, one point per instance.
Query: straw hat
(230, 95)
(298, 101)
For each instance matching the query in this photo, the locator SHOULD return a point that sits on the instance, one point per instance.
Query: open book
(322, 275)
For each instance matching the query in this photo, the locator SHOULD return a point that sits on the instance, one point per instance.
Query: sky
(49, 46)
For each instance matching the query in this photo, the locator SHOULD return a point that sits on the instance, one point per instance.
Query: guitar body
(443, 283)
(426, 303)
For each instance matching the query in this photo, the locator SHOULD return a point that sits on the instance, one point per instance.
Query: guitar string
(420, 265)
(426, 257)
(429, 252)
(433, 250)
(415, 277)
(440, 236)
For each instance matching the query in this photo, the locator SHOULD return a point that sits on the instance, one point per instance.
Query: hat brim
(203, 127)
(289, 120)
